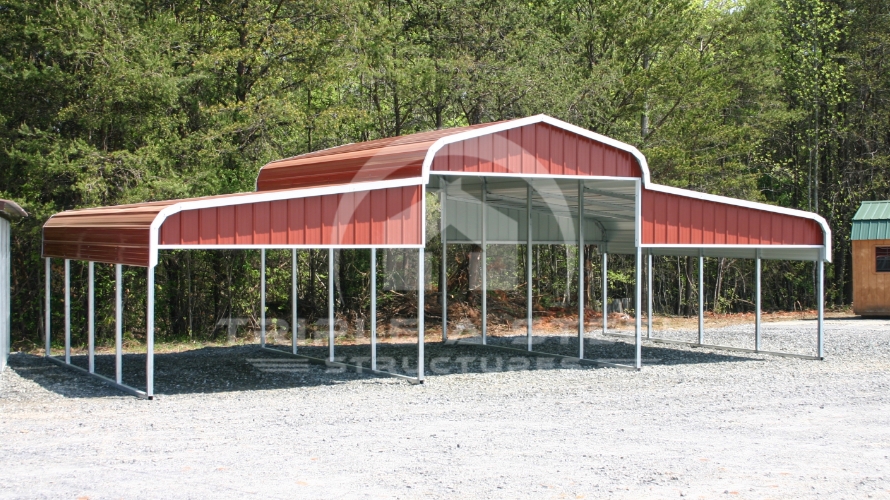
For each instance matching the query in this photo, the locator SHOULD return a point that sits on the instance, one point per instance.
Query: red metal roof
(371, 194)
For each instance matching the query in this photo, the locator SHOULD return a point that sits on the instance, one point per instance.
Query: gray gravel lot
(239, 422)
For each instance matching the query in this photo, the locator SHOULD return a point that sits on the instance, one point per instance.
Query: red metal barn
(535, 180)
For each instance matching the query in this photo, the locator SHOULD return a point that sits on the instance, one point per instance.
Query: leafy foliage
(108, 102)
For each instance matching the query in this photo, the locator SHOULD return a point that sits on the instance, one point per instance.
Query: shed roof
(11, 210)
(872, 221)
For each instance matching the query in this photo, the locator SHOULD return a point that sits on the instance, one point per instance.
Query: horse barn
(536, 180)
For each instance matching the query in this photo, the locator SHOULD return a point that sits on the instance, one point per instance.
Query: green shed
(871, 259)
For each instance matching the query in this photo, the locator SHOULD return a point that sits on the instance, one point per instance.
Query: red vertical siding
(672, 219)
(536, 149)
(382, 217)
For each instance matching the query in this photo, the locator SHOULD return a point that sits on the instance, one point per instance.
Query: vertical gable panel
(209, 232)
(225, 221)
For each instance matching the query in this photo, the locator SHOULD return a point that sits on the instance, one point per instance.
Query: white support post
(47, 313)
(68, 311)
(331, 304)
(373, 308)
(757, 304)
(484, 263)
(150, 336)
(263, 297)
(295, 326)
(649, 305)
(581, 269)
(528, 266)
(118, 323)
(638, 302)
(91, 316)
(701, 298)
(605, 292)
(420, 314)
(820, 293)
(443, 271)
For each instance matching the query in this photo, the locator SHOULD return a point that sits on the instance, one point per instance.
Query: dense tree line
(116, 101)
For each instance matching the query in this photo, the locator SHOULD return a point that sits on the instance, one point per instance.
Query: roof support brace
(580, 269)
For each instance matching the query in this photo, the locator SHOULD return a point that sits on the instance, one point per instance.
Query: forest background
(106, 102)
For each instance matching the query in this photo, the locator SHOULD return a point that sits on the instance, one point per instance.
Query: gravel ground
(239, 422)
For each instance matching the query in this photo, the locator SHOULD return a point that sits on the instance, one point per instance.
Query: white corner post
(638, 302)
(649, 296)
(581, 269)
(420, 314)
(68, 311)
(263, 297)
(118, 323)
(374, 309)
(150, 336)
(484, 263)
(528, 265)
(757, 304)
(701, 297)
(47, 313)
(820, 300)
(295, 326)
(331, 304)
(91, 316)
(443, 271)
(605, 290)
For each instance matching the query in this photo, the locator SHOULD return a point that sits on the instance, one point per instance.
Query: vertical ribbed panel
(669, 219)
(390, 216)
(5, 309)
(536, 149)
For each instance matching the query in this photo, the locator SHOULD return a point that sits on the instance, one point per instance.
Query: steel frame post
(649, 293)
(68, 311)
(262, 297)
(820, 292)
(91, 317)
(528, 266)
(293, 291)
(373, 308)
(118, 323)
(420, 313)
(701, 297)
(150, 336)
(47, 312)
(605, 291)
(484, 261)
(757, 305)
(638, 302)
(443, 203)
(580, 269)
(331, 304)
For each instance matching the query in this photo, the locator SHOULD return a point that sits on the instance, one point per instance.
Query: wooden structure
(871, 259)
(535, 180)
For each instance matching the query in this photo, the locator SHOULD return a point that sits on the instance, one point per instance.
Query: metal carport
(527, 181)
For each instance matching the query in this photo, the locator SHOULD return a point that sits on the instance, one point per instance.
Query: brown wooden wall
(871, 289)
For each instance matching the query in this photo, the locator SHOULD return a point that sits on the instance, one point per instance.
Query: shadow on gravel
(239, 368)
